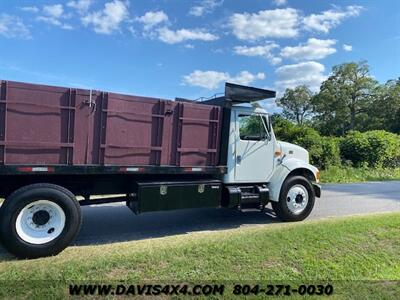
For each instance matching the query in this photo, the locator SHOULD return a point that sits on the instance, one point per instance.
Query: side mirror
(269, 123)
(266, 120)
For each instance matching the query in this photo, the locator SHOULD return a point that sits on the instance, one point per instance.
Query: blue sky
(189, 48)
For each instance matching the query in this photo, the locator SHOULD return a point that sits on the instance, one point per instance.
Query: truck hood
(293, 151)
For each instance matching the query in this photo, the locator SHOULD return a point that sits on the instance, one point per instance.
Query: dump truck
(63, 148)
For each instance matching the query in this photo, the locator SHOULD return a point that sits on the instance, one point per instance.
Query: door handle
(238, 159)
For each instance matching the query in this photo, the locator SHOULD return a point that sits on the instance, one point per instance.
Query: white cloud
(255, 50)
(263, 51)
(54, 15)
(277, 23)
(81, 6)
(329, 19)
(132, 30)
(109, 19)
(153, 18)
(275, 60)
(212, 79)
(31, 9)
(271, 106)
(172, 37)
(347, 47)
(246, 77)
(279, 2)
(53, 11)
(309, 73)
(67, 27)
(205, 7)
(206, 79)
(50, 20)
(13, 27)
(313, 49)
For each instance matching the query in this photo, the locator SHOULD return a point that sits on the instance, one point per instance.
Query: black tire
(281, 207)
(14, 204)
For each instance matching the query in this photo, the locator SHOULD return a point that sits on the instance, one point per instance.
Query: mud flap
(317, 190)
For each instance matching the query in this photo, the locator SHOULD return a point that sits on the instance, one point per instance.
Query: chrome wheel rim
(40, 222)
(297, 199)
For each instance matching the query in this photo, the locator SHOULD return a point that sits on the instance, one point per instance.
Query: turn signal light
(35, 169)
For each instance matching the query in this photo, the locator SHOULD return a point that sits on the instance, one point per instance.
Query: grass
(342, 174)
(343, 251)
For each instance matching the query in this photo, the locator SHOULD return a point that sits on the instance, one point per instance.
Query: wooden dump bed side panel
(43, 125)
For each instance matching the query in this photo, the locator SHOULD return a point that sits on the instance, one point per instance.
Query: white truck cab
(255, 156)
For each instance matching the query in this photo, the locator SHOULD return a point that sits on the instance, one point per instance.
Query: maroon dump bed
(44, 125)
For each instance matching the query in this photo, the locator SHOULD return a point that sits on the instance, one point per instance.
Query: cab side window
(251, 128)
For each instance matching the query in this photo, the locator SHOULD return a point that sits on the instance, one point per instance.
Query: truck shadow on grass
(4, 255)
(107, 224)
(112, 224)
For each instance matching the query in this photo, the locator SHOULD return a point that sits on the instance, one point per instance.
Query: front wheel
(39, 220)
(296, 199)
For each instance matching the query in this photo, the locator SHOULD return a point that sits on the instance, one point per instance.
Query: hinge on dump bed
(89, 102)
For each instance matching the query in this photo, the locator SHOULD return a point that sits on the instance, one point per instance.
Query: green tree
(385, 110)
(296, 104)
(393, 102)
(344, 97)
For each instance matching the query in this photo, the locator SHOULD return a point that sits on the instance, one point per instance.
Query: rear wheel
(296, 199)
(39, 220)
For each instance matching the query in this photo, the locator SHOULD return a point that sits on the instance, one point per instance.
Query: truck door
(254, 148)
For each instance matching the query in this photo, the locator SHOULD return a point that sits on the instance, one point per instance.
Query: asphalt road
(116, 223)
